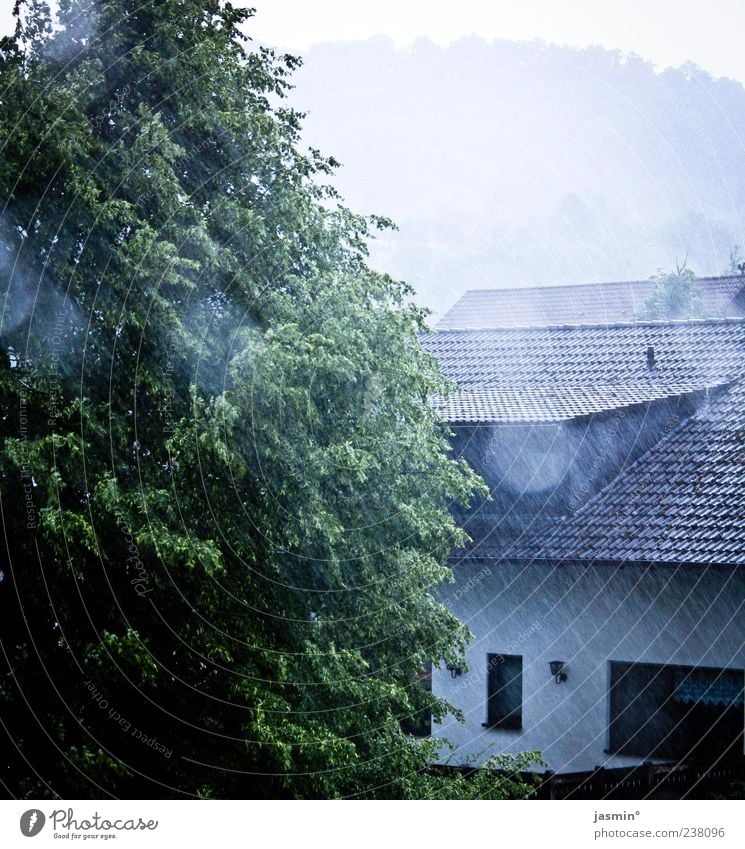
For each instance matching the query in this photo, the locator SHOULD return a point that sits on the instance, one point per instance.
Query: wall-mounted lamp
(454, 670)
(557, 670)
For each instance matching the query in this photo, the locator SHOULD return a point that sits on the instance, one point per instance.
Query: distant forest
(508, 164)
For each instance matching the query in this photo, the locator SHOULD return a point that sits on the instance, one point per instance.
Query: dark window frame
(504, 676)
(651, 721)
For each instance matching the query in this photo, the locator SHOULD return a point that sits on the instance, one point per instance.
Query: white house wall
(585, 616)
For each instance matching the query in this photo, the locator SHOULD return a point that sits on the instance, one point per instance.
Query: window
(420, 722)
(675, 712)
(504, 693)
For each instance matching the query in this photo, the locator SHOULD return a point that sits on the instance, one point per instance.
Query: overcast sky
(668, 33)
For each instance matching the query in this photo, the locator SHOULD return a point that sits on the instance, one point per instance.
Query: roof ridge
(607, 325)
(713, 383)
(707, 278)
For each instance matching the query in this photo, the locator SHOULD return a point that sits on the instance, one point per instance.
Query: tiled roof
(480, 309)
(696, 353)
(683, 501)
(507, 405)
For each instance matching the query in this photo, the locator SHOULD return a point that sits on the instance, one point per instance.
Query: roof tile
(584, 304)
(683, 500)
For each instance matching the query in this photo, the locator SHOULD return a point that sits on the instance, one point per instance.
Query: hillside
(525, 163)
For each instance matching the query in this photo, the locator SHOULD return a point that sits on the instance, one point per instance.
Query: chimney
(651, 362)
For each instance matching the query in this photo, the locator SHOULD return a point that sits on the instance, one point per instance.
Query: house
(605, 581)
(483, 309)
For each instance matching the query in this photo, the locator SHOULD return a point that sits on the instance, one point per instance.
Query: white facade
(586, 616)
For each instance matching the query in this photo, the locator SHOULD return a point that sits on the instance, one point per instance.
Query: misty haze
(515, 164)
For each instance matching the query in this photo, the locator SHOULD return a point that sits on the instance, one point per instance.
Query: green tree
(225, 497)
(736, 263)
(677, 295)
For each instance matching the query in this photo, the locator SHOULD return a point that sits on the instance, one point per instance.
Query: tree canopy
(677, 295)
(225, 496)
